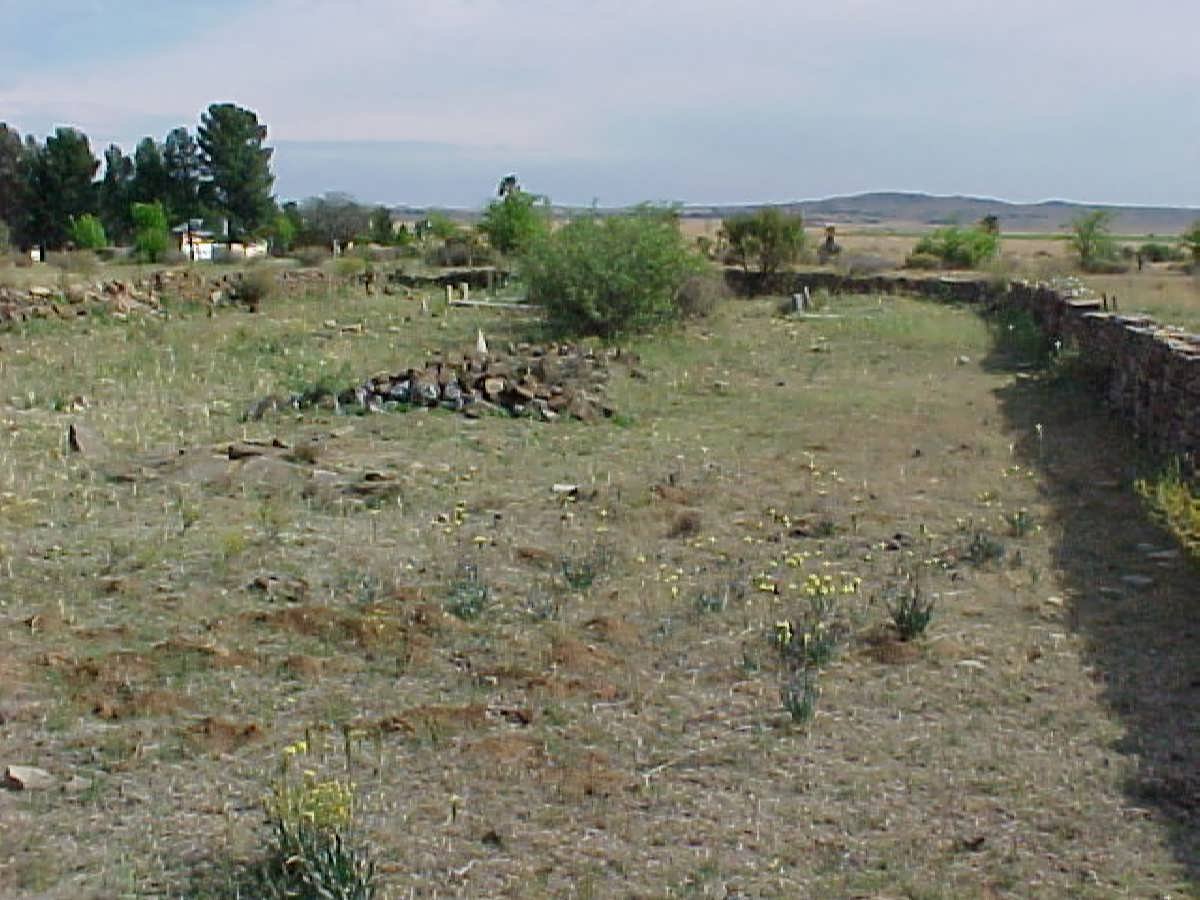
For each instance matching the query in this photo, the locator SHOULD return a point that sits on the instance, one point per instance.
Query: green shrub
(959, 248)
(87, 233)
(612, 275)
(151, 239)
(1191, 240)
(1156, 252)
(768, 237)
(514, 222)
(1092, 239)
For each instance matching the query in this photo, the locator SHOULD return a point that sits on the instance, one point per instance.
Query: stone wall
(1151, 372)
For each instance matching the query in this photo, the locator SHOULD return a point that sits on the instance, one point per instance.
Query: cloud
(764, 99)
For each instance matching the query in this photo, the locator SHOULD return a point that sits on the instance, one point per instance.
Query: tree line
(50, 196)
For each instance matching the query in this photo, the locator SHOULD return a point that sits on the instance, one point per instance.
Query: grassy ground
(542, 694)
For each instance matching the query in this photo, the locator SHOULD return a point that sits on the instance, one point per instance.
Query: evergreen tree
(58, 186)
(116, 194)
(181, 157)
(150, 181)
(237, 167)
(12, 178)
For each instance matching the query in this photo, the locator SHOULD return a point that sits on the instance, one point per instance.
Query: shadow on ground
(1131, 588)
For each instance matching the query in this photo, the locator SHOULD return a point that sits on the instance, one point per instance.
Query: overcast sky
(618, 101)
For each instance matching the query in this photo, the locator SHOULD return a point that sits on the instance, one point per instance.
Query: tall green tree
(516, 220)
(116, 194)
(237, 166)
(151, 239)
(381, 230)
(87, 233)
(12, 177)
(150, 181)
(181, 158)
(58, 186)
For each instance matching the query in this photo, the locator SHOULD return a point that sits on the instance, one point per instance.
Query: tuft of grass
(800, 693)
(911, 613)
(580, 571)
(984, 549)
(312, 855)
(469, 596)
(1173, 499)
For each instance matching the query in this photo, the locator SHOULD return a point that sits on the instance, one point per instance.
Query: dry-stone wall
(1152, 372)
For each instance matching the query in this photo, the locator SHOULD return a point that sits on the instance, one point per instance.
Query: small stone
(962, 361)
(1163, 555)
(971, 664)
(27, 778)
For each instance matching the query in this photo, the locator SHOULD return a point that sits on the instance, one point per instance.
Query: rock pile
(538, 381)
(119, 298)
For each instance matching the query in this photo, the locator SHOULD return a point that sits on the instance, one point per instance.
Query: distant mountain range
(888, 209)
(904, 211)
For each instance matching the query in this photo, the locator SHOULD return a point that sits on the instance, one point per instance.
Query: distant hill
(900, 210)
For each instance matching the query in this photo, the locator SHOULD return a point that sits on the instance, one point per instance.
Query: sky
(623, 101)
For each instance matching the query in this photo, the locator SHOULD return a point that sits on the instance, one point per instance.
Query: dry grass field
(542, 692)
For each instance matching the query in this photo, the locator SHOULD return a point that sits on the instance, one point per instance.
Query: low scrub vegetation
(768, 239)
(955, 247)
(612, 275)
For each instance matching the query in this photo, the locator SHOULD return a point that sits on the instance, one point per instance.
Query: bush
(459, 251)
(311, 257)
(256, 285)
(513, 223)
(922, 261)
(1191, 240)
(87, 233)
(1092, 240)
(958, 248)
(769, 237)
(613, 275)
(700, 296)
(1155, 252)
(151, 239)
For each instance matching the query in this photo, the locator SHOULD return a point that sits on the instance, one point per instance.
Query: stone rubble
(545, 382)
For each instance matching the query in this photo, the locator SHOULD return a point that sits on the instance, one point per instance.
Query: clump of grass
(707, 602)
(469, 596)
(580, 571)
(984, 549)
(911, 613)
(804, 651)
(312, 855)
(800, 693)
(1174, 500)
(1020, 523)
